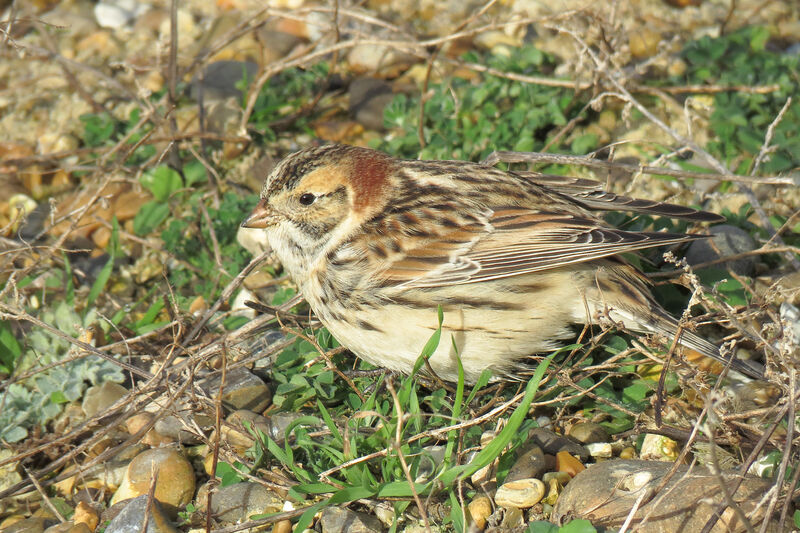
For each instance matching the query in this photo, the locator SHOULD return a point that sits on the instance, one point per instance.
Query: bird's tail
(667, 325)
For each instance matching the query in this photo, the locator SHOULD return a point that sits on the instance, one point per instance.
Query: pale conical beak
(260, 217)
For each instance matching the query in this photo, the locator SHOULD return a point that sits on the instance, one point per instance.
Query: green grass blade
(495, 448)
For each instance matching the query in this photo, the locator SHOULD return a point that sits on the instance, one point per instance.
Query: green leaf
(10, 348)
(431, 345)
(542, 526)
(149, 217)
(69, 297)
(97, 128)
(401, 489)
(495, 448)
(194, 172)
(100, 283)
(58, 397)
(161, 182)
(578, 526)
(456, 513)
(227, 475)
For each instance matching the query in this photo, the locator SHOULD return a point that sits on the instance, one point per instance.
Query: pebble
(68, 527)
(561, 477)
(98, 398)
(523, 493)
(600, 449)
(240, 501)
(643, 42)
(531, 464)
(588, 432)
(687, 503)
(282, 526)
(131, 518)
(513, 519)
(628, 452)
(368, 99)
(36, 524)
(566, 462)
(729, 240)
(480, 508)
(174, 486)
(220, 79)
(179, 427)
(253, 240)
(243, 390)
(552, 443)
(85, 514)
(429, 461)
(659, 448)
(341, 520)
(118, 13)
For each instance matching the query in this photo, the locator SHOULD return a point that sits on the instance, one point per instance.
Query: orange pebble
(565, 462)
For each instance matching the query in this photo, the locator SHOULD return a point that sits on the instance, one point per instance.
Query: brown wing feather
(515, 241)
(591, 195)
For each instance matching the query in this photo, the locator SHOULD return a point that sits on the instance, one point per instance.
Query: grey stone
(68, 527)
(242, 390)
(588, 432)
(341, 520)
(729, 240)
(99, 397)
(33, 225)
(240, 501)
(552, 443)
(131, 518)
(368, 98)
(606, 492)
(36, 524)
(277, 43)
(220, 78)
(529, 464)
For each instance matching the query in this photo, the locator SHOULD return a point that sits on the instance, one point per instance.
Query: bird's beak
(261, 216)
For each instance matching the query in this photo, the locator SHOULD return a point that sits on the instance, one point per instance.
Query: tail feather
(668, 326)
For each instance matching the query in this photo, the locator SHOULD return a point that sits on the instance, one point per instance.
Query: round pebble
(175, 483)
(588, 432)
(521, 494)
(480, 508)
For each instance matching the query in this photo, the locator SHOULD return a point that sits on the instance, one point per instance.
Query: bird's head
(321, 194)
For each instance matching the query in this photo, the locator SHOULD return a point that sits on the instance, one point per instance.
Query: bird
(515, 260)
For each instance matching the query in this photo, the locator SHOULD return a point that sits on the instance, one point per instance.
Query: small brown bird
(376, 244)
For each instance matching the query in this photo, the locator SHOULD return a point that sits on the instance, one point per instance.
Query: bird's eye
(307, 198)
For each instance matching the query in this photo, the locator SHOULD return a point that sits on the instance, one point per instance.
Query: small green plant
(740, 119)
(102, 129)
(10, 348)
(466, 120)
(574, 526)
(284, 95)
(188, 238)
(41, 398)
(185, 516)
